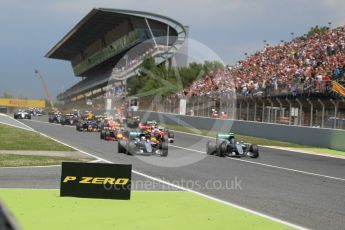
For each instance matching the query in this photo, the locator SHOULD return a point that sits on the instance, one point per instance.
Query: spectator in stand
(214, 113)
(192, 112)
(223, 116)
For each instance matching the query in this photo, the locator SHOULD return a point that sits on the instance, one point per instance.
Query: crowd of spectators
(306, 64)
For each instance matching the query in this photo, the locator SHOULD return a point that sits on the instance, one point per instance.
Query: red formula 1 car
(111, 131)
(152, 126)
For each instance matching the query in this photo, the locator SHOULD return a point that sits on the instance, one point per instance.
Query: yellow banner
(338, 88)
(22, 103)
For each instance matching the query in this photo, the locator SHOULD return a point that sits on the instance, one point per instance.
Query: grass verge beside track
(19, 139)
(261, 141)
(14, 160)
(44, 209)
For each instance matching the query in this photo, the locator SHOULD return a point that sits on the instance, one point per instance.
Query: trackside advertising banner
(96, 180)
(14, 102)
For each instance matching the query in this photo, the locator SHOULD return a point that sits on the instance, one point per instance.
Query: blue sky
(228, 27)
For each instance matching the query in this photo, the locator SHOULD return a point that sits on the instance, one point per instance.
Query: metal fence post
(311, 112)
(322, 113)
(281, 108)
(335, 112)
(300, 111)
(248, 104)
(290, 108)
(234, 108)
(270, 110)
(263, 111)
(254, 119)
(197, 106)
(203, 107)
(240, 110)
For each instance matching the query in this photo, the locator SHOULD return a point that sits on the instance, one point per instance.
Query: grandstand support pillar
(322, 113)
(299, 112)
(311, 111)
(290, 108)
(335, 104)
(270, 110)
(153, 37)
(281, 108)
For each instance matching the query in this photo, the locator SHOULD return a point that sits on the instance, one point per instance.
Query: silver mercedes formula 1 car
(227, 145)
(139, 143)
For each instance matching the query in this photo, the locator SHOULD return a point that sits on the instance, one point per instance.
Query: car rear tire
(102, 134)
(210, 148)
(223, 149)
(165, 150)
(130, 148)
(253, 151)
(106, 135)
(120, 148)
(171, 134)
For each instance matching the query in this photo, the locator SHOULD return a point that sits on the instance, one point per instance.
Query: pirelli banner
(22, 103)
(96, 180)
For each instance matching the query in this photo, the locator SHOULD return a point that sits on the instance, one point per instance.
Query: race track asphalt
(299, 188)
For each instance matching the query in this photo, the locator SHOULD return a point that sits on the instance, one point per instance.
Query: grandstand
(100, 49)
(300, 82)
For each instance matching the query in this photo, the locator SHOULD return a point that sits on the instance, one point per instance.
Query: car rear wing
(225, 135)
(134, 134)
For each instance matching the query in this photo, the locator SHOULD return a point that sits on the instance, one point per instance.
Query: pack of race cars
(134, 136)
(137, 137)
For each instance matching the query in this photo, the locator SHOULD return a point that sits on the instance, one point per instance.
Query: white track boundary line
(189, 190)
(288, 169)
(304, 151)
(16, 126)
(5, 115)
(266, 165)
(98, 159)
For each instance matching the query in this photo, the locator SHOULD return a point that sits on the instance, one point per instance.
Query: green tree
(163, 81)
(317, 30)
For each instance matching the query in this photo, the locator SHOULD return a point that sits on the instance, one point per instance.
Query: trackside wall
(326, 138)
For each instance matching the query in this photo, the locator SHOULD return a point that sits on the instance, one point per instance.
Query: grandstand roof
(94, 25)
